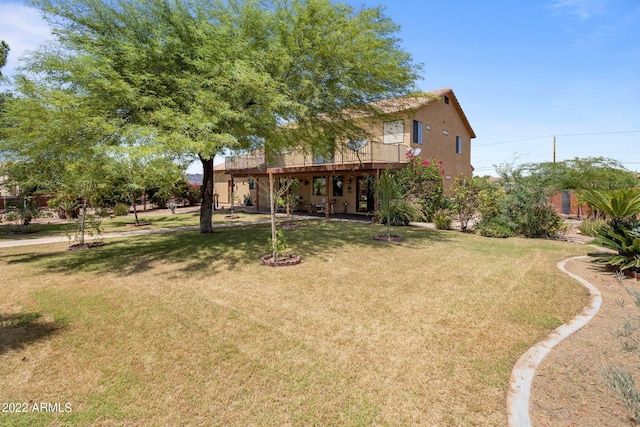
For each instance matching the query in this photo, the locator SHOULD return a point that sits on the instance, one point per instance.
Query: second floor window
(458, 145)
(417, 132)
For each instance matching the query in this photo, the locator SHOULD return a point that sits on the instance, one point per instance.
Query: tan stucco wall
(441, 118)
(222, 187)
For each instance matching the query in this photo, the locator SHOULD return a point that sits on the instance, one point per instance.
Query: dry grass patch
(191, 329)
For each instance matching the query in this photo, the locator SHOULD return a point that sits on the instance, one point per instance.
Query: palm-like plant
(388, 192)
(618, 206)
(622, 234)
(625, 241)
(393, 207)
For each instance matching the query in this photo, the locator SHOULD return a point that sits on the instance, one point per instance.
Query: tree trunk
(272, 206)
(233, 194)
(133, 203)
(84, 216)
(206, 208)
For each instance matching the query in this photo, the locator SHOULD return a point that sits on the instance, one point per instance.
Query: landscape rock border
(283, 261)
(90, 245)
(520, 383)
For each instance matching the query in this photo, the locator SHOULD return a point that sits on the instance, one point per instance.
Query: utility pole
(554, 149)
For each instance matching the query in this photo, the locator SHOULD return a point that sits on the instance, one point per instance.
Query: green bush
(624, 239)
(592, 227)
(401, 213)
(494, 227)
(443, 219)
(121, 209)
(526, 211)
(421, 184)
(64, 207)
(12, 216)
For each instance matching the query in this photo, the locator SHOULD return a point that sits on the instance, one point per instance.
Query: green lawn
(189, 329)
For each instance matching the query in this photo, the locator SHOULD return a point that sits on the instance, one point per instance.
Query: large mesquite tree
(202, 77)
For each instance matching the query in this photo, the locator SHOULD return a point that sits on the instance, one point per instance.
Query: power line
(551, 136)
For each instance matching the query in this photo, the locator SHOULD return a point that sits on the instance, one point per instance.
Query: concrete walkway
(64, 239)
(148, 231)
(524, 371)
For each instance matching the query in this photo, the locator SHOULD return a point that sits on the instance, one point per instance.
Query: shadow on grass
(226, 248)
(34, 231)
(19, 330)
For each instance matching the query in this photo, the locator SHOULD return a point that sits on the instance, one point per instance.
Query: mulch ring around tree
(283, 260)
(140, 224)
(79, 247)
(390, 238)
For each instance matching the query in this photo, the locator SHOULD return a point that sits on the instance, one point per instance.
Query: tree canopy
(200, 77)
(4, 53)
(580, 174)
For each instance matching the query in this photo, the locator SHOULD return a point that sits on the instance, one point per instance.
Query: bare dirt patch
(568, 389)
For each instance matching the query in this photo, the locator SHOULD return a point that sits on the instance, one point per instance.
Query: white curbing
(524, 371)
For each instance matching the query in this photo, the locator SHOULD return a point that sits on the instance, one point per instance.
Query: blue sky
(523, 71)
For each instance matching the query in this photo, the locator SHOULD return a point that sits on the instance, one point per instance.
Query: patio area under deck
(327, 189)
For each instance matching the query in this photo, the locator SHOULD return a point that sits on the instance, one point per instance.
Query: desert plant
(279, 197)
(464, 192)
(624, 239)
(619, 379)
(618, 206)
(66, 209)
(393, 208)
(12, 216)
(490, 201)
(90, 225)
(526, 211)
(421, 184)
(494, 227)
(400, 213)
(121, 209)
(443, 219)
(592, 227)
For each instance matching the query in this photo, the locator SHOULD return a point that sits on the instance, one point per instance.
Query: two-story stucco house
(342, 183)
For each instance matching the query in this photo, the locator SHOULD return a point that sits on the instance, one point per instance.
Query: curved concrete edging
(524, 371)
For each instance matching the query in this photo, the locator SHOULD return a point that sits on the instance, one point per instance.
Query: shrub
(592, 227)
(465, 195)
(494, 227)
(526, 211)
(12, 216)
(68, 209)
(402, 212)
(443, 219)
(625, 240)
(121, 209)
(421, 184)
(617, 206)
